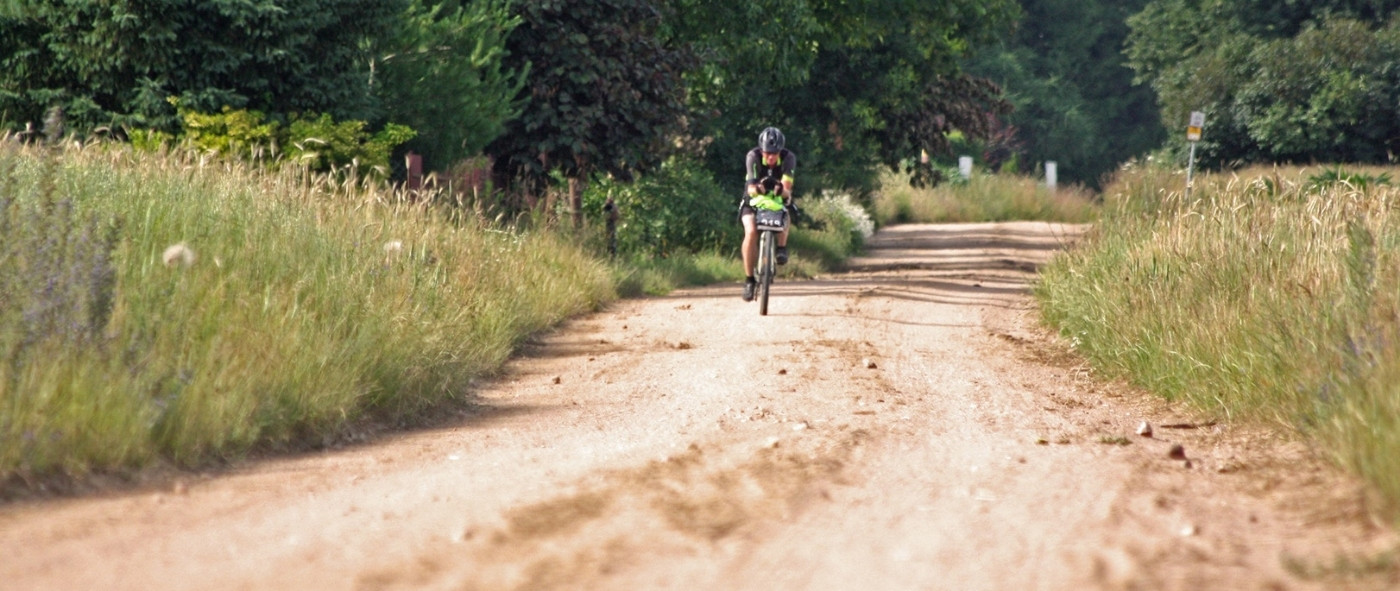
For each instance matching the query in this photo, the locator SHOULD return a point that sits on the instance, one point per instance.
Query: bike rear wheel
(767, 253)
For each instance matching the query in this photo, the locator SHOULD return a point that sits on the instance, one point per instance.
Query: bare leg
(749, 250)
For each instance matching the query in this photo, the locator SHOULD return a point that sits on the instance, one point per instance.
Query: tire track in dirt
(667, 509)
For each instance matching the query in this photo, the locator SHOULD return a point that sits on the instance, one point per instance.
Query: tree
(888, 84)
(1075, 100)
(855, 85)
(114, 63)
(604, 96)
(443, 73)
(1292, 83)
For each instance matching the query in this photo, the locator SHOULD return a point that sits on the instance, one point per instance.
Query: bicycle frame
(769, 225)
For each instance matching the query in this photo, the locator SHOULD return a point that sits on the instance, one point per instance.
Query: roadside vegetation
(1270, 294)
(183, 309)
(982, 197)
(190, 309)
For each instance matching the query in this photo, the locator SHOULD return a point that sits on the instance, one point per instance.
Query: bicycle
(770, 223)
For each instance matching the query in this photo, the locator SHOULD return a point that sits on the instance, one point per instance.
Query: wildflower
(178, 254)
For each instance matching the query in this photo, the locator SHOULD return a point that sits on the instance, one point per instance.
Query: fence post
(610, 214)
(414, 164)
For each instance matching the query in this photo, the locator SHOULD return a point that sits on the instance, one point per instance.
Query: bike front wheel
(767, 254)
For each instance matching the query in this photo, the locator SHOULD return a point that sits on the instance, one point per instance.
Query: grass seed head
(178, 255)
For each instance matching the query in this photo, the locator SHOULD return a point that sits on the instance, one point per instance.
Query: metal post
(1193, 135)
(1190, 165)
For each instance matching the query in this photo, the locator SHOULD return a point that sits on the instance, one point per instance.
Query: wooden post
(610, 215)
(576, 201)
(414, 164)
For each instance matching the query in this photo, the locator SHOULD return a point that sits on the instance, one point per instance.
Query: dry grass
(982, 198)
(1270, 295)
(302, 306)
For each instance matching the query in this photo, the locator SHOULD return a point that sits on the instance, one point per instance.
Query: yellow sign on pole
(1193, 130)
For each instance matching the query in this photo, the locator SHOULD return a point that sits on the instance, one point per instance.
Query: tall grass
(1270, 295)
(981, 198)
(309, 304)
(174, 308)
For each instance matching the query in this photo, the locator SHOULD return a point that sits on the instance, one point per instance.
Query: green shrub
(317, 142)
(678, 209)
(238, 133)
(325, 145)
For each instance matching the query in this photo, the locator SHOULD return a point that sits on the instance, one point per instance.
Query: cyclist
(770, 164)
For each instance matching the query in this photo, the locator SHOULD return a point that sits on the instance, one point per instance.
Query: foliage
(149, 140)
(1331, 177)
(839, 213)
(1300, 82)
(444, 74)
(325, 145)
(1073, 95)
(1326, 95)
(229, 132)
(759, 51)
(604, 95)
(315, 141)
(855, 86)
(115, 63)
(678, 209)
(759, 45)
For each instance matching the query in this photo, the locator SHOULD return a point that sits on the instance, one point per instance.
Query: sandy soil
(905, 425)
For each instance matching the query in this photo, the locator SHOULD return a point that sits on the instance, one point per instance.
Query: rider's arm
(789, 167)
(751, 162)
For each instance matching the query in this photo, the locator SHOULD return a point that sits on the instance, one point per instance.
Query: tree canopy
(115, 63)
(550, 89)
(855, 85)
(1278, 82)
(604, 94)
(1074, 96)
(443, 73)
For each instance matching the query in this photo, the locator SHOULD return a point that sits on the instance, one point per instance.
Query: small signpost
(965, 166)
(1052, 177)
(1193, 135)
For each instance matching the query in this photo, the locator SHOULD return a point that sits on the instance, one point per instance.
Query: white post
(965, 166)
(1190, 165)
(1052, 176)
(1193, 135)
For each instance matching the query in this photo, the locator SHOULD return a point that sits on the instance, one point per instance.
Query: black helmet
(771, 140)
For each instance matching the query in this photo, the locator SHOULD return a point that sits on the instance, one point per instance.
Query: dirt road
(905, 425)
